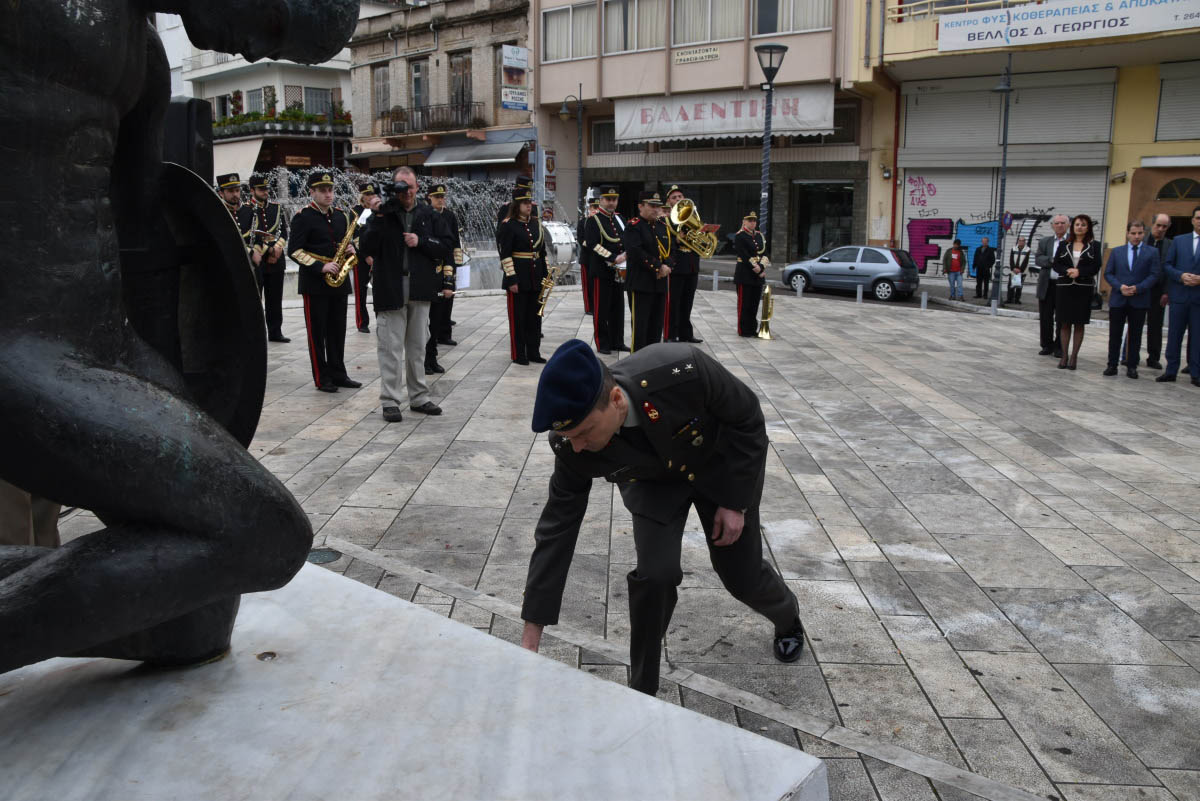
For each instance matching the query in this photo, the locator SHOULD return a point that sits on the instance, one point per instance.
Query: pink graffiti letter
(920, 232)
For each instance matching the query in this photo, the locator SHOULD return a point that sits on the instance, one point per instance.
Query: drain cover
(323, 556)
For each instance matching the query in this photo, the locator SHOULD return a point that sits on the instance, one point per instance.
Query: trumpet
(694, 233)
(344, 262)
(768, 311)
(548, 284)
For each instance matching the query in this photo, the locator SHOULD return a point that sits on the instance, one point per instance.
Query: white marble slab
(369, 698)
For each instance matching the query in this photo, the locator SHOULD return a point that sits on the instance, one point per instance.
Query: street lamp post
(1005, 88)
(770, 58)
(564, 114)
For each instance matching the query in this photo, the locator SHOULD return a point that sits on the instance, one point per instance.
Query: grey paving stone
(854, 544)
(1108, 792)
(1080, 626)
(920, 477)
(885, 589)
(994, 750)
(765, 727)
(953, 514)
(472, 488)
(1073, 547)
(885, 701)
(1184, 784)
(860, 487)
(1067, 738)
(968, 618)
(802, 550)
(707, 705)
(709, 625)
(1155, 609)
(848, 781)
(433, 528)
(1008, 560)
(893, 783)
(841, 625)
(1159, 539)
(359, 525)
(1155, 709)
(939, 670)
(1188, 651)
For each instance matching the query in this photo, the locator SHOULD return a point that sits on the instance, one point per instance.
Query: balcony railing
(209, 58)
(907, 10)
(420, 119)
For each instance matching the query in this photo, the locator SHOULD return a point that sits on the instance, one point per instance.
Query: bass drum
(561, 247)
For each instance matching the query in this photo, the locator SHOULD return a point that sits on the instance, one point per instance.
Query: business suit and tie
(1044, 258)
(1135, 266)
(1183, 259)
(1156, 314)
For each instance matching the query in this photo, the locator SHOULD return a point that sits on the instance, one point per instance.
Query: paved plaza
(997, 562)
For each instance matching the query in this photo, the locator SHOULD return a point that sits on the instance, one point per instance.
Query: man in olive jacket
(406, 242)
(672, 429)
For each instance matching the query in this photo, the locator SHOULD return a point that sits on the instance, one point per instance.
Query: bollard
(800, 289)
(716, 275)
(995, 307)
(924, 301)
(858, 294)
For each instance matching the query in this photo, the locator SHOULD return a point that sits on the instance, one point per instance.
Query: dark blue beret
(568, 388)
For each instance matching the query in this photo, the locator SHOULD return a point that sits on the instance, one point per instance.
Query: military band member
(318, 230)
(681, 284)
(604, 253)
(229, 188)
(593, 206)
(368, 198)
(672, 429)
(522, 244)
(439, 309)
(268, 238)
(648, 249)
(750, 275)
(522, 182)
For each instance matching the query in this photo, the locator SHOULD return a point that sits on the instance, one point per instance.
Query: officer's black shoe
(364, 329)
(392, 414)
(428, 407)
(1045, 352)
(430, 369)
(447, 341)
(1154, 365)
(327, 388)
(605, 351)
(1165, 377)
(348, 383)
(537, 360)
(521, 361)
(788, 646)
(1131, 372)
(1196, 382)
(692, 340)
(280, 338)
(1110, 371)
(621, 348)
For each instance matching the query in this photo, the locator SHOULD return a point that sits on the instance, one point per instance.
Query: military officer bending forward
(673, 429)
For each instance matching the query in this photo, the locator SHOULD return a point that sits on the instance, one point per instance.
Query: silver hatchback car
(886, 273)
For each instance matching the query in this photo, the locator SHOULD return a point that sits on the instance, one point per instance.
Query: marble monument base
(335, 690)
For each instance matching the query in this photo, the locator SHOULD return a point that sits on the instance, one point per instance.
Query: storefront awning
(500, 153)
(239, 157)
(798, 111)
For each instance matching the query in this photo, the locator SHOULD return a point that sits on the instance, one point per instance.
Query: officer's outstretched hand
(727, 526)
(531, 637)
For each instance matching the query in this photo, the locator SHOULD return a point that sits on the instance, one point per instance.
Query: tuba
(346, 263)
(691, 230)
(768, 311)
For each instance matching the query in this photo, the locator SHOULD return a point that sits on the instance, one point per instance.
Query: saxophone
(346, 264)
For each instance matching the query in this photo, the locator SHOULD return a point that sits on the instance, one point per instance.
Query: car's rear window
(904, 260)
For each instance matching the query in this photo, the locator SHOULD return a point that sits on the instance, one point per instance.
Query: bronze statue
(132, 346)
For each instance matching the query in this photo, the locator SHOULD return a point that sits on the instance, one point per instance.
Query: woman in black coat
(1076, 265)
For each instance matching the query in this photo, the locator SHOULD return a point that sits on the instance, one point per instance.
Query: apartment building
(671, 93)
(268, 113)
(441, 86)
(1102, 116)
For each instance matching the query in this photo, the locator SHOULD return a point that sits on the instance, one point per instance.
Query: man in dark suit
(673, 429)
(1132, 272)
(1159, 241)
(1183, 272)
(982, 262)
(1045, 286)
